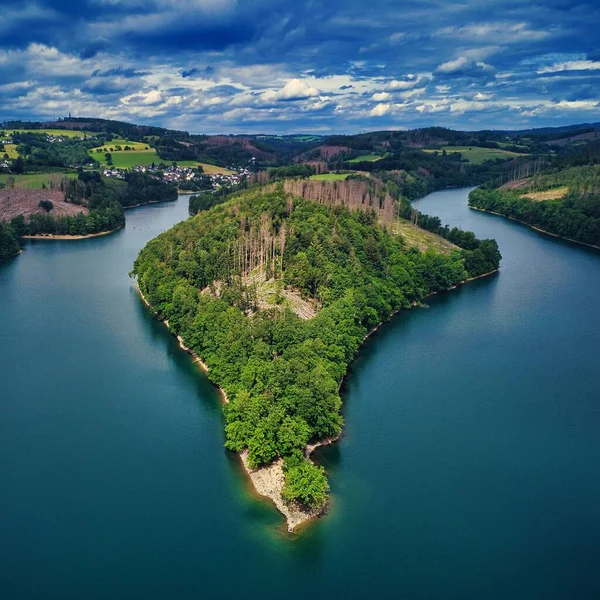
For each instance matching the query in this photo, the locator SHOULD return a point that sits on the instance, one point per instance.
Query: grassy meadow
(330, 176)
(138, 146)
(72, 133)
(143, 155)
(477, 155)
(125, 159)
(367, 158)
(36, 181)
(11, 150)
(208, 169)
(416, 237)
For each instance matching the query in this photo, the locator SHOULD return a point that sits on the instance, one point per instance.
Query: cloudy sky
(303, 66)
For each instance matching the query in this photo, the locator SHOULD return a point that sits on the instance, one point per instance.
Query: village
(186, 178)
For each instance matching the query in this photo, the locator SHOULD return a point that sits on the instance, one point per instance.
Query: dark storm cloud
(312, 64)
(118, 72)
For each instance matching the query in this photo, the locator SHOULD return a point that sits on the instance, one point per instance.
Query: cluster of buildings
(4, 164)
(221, 179)
(114, 173)
(184, 175)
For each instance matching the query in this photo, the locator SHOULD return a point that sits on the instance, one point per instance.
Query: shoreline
(555, 235)
(53, 236)
(19, 251)
(150, 202)
(268, 480)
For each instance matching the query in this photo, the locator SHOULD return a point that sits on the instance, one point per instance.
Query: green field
(416, 237)
(11, 150)
(64, 132)
(125, 159)
(142, 146)
(330, 176)
(475, 154)
(507, 144)
(35, 181)
(140, 157)
(367, 158)
(208, 169)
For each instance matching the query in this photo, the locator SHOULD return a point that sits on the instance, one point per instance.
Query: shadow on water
(259, 515)
(207, 393)
(405, 318)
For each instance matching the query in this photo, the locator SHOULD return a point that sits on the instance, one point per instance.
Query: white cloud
(578, 104)
(462, 63)
(406, 95)
(381, 96)
(295, 89)
(380, 110)
(571, 65)
(143, 98)
(452, 66)
(502, 31)
(403, 84)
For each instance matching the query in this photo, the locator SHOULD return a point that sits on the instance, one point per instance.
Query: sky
(314, 66)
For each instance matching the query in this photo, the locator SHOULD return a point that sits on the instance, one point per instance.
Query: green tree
(306, 483)
(18, 165)
(46, 205)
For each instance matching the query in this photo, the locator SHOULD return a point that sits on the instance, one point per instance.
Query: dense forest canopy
(208, 277)
(9, 243)
(563, 201)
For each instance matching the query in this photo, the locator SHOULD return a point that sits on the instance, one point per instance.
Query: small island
(274, 291)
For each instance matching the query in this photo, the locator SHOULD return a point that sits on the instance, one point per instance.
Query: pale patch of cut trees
(522, 170)
(352, 194)
(258, 252)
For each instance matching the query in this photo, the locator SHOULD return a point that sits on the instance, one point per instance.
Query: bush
(306, 484)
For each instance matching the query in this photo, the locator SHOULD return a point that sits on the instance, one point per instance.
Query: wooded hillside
(563, 201)
(281, 372)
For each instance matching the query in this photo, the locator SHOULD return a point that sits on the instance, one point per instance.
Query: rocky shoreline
(52, 236)
(268, 481)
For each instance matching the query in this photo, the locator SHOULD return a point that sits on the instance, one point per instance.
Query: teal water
(469, 466)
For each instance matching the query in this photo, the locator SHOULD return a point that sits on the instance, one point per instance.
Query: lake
(469, 467)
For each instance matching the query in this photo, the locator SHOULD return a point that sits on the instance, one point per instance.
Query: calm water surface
(469, 469)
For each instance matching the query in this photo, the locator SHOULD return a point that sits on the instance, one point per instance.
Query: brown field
(516, 184)
(246, 143)
(22, 201)
(592, 135)
(555, 194)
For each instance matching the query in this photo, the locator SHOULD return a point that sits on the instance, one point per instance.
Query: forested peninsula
(275, 294)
